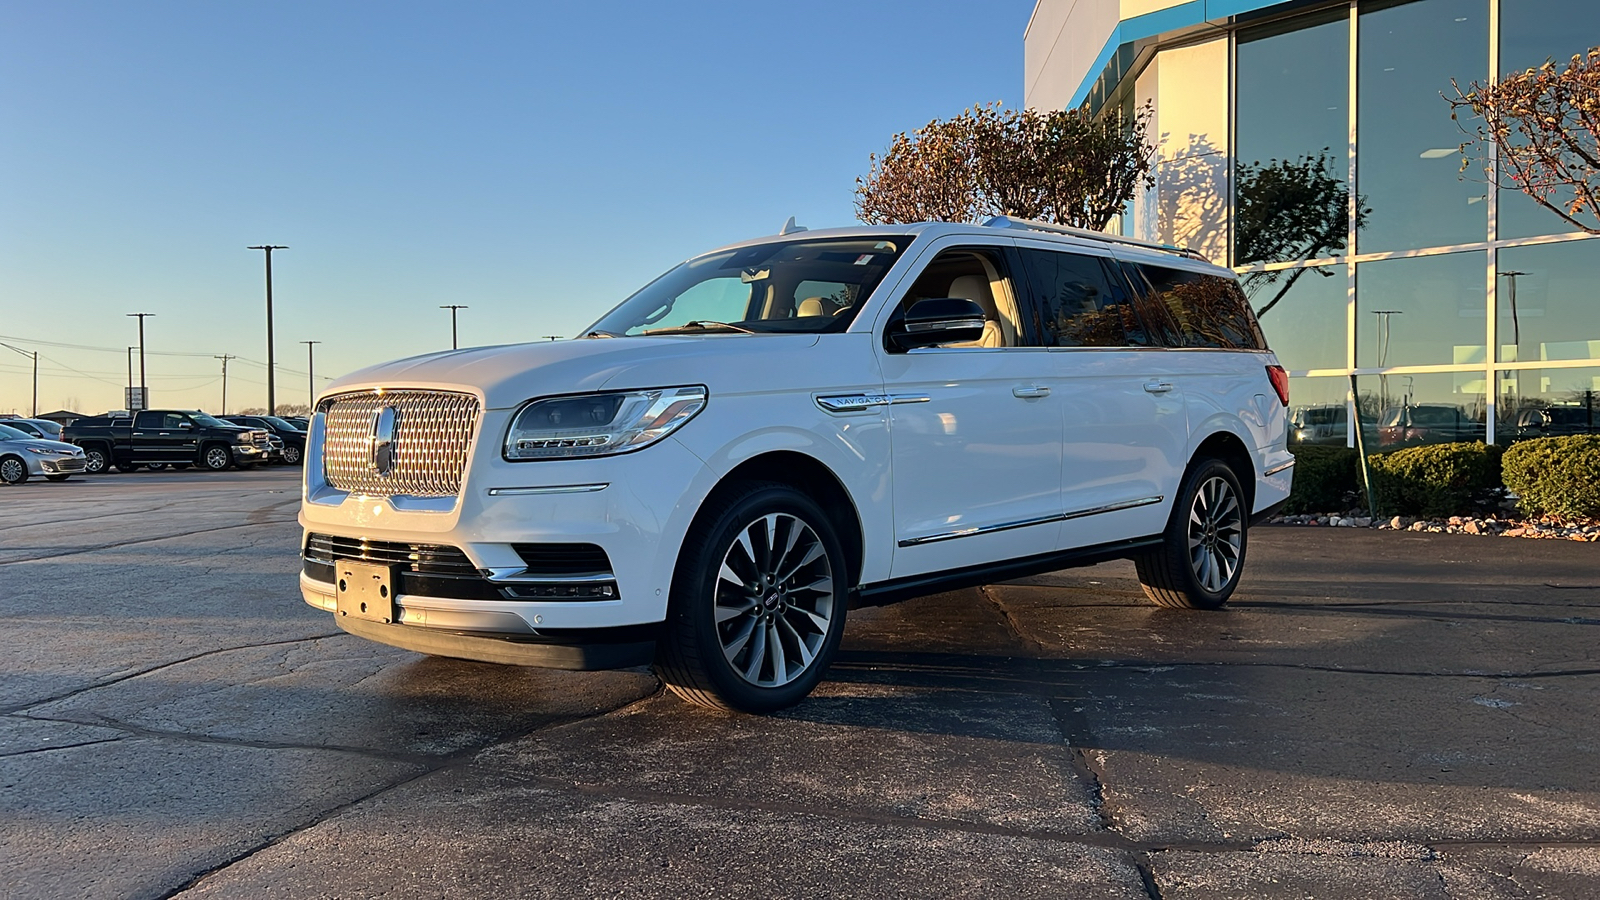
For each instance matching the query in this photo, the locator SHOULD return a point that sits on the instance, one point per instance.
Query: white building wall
(1062, 42)
(1188, 88)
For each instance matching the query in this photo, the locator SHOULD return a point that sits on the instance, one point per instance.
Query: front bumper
(444, 628)
(247, 453)
(56, 465)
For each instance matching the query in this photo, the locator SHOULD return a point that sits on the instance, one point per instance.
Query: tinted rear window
(1079, 303)
(1200, 310)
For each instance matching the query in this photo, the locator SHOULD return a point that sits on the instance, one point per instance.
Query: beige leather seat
(811, 306)
(976, 289)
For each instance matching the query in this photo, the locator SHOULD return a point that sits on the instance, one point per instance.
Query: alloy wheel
(774, 600)
(12, 470)
(217, 458)
(1216, 533)
(291, 455)
(94, 462)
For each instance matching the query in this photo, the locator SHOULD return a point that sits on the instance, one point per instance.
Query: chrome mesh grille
(433, 431)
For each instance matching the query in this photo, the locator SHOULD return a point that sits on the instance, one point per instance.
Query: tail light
(1280, 383)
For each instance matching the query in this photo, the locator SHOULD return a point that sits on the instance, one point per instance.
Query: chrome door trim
(1278, 468)
(850, 404)
(1042, 520)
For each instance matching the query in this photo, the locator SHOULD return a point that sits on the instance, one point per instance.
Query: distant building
(61, 416)
(1250, 97)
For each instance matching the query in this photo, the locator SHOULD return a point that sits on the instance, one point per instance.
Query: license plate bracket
(365, 591)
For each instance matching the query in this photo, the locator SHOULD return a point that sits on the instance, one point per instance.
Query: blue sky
(536, 161)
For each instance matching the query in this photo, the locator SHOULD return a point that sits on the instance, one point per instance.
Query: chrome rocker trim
(1042, 520)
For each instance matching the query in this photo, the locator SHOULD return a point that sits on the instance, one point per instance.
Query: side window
(1205, 310)
(979, 274)
(175, 420)
(1080, 302)
(152, 420)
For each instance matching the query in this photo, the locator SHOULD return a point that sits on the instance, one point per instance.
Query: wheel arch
(813, 478)
(1232, 450)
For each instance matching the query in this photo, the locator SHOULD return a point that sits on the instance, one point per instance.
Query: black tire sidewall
(105, 461)
(205, 458)
(1177, 537)
(694, 585)
(19, 461)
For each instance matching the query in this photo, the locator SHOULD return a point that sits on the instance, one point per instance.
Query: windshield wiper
(700, 325)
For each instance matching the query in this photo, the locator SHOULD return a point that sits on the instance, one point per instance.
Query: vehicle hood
(43, 444)
(510, 374)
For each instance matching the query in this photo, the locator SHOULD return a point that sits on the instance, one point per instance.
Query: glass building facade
(1330, 178)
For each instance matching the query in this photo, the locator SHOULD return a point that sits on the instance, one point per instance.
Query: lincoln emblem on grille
(383, 451)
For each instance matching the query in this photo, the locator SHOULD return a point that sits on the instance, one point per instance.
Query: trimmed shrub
(1324, 479)
(1556, 475)
(1434, 479)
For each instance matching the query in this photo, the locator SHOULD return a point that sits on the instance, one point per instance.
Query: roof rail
(1086, 234)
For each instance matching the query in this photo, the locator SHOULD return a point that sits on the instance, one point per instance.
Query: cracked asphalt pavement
(1374, 715)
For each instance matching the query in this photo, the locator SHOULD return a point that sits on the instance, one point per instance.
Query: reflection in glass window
(1546, 301)
(1532, 31)
(1196, 310)
(1319, 411)
(1290, 192)
(1075, 304)
(1427, 310)
(1302, 312)
(1547, 403)
(1405, 410)
(1408, 164)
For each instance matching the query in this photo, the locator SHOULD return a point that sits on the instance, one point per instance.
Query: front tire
(1202, 551)
(216, 457)
(13, 470)
(758, 602)
(291, 456)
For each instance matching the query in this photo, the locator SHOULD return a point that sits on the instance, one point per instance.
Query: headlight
(40, 450)
(600, 424)
(242, 437)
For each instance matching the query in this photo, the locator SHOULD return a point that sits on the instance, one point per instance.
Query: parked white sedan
(22, 456)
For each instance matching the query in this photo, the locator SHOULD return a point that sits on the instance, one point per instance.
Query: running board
(882, 593)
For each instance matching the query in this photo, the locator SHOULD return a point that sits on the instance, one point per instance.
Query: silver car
(39, 428)
(22, 456)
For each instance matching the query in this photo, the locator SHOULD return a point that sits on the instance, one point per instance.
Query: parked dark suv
(1427, 424)
(294, 439)
(162, 437)
(1556, 421)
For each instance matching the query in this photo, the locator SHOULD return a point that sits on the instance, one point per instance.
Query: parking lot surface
(1375, 715)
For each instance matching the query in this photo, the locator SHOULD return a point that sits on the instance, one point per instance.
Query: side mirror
(185, 424)
(939, 320)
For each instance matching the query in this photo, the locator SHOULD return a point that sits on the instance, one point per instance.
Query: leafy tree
(1059, 166)
(1544, 124)
(1290, 210)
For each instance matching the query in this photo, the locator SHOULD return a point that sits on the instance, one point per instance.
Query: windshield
(8, 433)
(206, 420)
(780, 287)
(281, 424)
(1326, 415)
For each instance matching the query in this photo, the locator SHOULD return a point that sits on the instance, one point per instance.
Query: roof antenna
(790, 227)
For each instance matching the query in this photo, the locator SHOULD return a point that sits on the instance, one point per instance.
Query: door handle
(1030, 392)
(1158, 387)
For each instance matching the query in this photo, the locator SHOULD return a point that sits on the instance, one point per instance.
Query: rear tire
(758, 602)
(1202, 551)
(291, 456)
(13, 470)
(96, 460)
(216, 457)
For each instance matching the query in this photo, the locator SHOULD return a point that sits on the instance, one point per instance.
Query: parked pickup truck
(165, 436)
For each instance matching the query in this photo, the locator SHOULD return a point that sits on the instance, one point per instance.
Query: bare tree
(1060, 166)
(1545, 125)
(1290, 210)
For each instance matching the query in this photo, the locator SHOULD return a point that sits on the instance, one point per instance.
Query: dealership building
(1309, 146)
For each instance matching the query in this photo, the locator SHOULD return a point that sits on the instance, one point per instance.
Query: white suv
(779, 430)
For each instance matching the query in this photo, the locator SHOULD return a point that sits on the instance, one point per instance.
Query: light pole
(35, 356)
(225, 357)
(453, 307)
(311, 376)
(130, 370)
(1382, 348)
(272, 406)
(144, 392)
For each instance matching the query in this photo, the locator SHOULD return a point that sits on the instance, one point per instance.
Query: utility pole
(144, 392)
(453, 307)
(272, 405)
(225, 357)
(311, 376)
(130, 369)
(35, 355)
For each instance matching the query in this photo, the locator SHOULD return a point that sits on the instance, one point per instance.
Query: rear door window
(152, 420)
(1200, 310)
(1078, 301)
